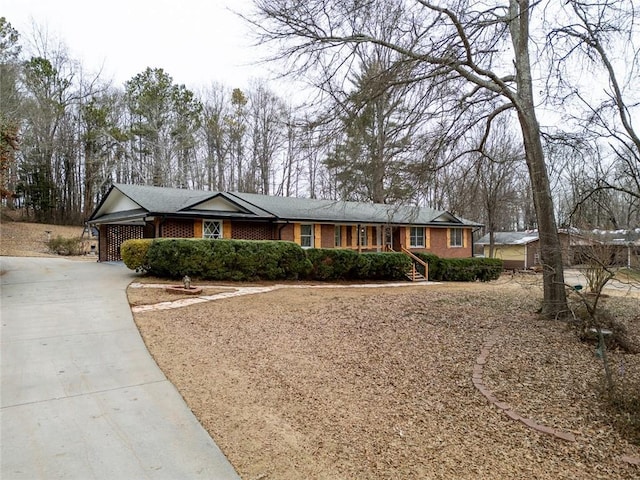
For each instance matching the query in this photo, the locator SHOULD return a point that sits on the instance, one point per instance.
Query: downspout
(526, 256)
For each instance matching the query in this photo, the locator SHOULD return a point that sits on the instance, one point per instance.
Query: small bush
(65, 246)
(134, 254)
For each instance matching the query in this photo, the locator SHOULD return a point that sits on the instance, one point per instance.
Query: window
(338, 236)
(388, 236)
(416, 237)
(455, 237)
(306, 235)
(364, 241)
(212, 229)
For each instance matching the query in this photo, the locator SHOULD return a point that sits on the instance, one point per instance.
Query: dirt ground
(23, 239)
(377, 383)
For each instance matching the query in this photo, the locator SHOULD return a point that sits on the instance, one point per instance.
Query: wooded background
(371, 134)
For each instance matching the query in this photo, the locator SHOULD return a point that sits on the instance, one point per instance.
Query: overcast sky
(194, 41)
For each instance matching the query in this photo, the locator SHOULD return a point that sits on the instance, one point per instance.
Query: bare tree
(466, 43)
(267, 135)
(603, 38)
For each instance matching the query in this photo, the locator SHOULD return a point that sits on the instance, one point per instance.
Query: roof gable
(163, 199)
(116, 201)
(446, 217)
(218, 204)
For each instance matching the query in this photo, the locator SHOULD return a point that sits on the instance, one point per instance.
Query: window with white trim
(212, 229)
(416, 237)
(456, 236)
(306, 235)
(338, 236)
(364, 239)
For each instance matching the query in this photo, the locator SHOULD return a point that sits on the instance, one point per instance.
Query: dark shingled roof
(161, 200)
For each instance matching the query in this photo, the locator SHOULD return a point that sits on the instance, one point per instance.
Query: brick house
(136, 211)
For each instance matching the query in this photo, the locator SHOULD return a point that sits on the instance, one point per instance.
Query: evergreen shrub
(331, 263)
(238, 260)
(134, 254)
(383, 266)
(343, 264)
(462, 269)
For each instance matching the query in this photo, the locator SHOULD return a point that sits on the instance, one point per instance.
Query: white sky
(194, 41)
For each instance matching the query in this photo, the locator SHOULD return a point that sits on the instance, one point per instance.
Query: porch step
(415, 276)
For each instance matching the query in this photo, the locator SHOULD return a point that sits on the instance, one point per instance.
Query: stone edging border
(504, 407)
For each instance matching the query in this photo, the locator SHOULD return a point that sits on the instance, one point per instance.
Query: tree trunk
(555, 300)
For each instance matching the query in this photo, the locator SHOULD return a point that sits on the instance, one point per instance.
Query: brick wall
(328, 236)
(112, 236)
(174, 228)
(440, 246)
(286, 232)
(251, 231)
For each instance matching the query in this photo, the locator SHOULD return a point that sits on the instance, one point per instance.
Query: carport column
(526, 256)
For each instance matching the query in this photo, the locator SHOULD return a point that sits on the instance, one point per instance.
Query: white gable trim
(446, 217)
(116, 201)
(217, 204)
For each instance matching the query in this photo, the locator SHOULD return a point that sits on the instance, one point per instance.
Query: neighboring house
(623, 246)
(135, 211)
(520, 250)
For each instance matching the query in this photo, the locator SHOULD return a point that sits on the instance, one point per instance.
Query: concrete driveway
(81, 398)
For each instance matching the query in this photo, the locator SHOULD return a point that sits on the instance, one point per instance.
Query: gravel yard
(377, 383)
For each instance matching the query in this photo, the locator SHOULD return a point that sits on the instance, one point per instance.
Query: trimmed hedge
(242, 260)
(238, 260)
(341, 264)
(462, 269)
(382, 266)
(331, 263)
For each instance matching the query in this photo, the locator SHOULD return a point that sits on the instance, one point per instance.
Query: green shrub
(343, 264)
(331, 263)
(436, 265)
(134, 254)
(384, 266)
(65, 246)
(462, 269)
(237, 260)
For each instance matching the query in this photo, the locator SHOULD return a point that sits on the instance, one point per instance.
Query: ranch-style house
(137, 211)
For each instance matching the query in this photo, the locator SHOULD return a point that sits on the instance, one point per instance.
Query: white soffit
(117, 202)
(217, 204)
